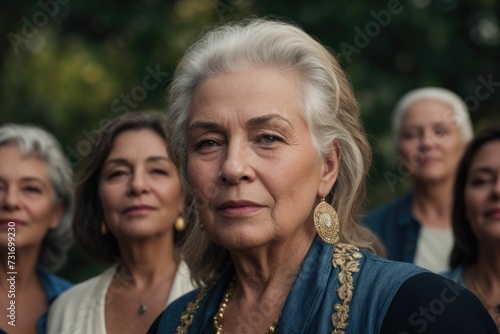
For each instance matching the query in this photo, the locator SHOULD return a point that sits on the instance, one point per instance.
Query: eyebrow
(481, 169)
(29, 179)
(256, 121)
(126, 162)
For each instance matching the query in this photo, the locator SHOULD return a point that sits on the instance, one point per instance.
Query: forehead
(14, 165)
(133, 142)
(487, 156)
(428, 112)
(247, 94)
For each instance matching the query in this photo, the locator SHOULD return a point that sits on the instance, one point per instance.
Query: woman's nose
(138, 183)
(236, 166)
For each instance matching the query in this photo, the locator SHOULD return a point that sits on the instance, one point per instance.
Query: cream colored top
(434, 248)
(80, 310)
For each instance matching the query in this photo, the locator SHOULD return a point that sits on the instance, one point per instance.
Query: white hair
(457, 105)
(329, 107)
(36, 142)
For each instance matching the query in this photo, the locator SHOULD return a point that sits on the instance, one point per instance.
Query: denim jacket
(310, 303)
(53, 287)
(396, 227)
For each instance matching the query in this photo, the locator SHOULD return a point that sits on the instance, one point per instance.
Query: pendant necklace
(143, 307)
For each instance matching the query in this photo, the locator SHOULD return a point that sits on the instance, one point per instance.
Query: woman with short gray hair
(431, 127)
(36, 208)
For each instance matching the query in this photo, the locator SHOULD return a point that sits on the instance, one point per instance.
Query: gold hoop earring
(180, 224)
(104, 229)
(326, 222)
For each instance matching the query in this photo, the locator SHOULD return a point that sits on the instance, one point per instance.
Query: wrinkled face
(139, 187)
(26, 198)
(430, 143)
(482, 192)
(251, 160)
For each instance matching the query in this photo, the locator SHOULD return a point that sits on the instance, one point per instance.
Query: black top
(430, 304)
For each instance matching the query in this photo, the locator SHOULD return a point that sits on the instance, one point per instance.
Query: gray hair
(457, 105)
(329, 107)
(34, 141)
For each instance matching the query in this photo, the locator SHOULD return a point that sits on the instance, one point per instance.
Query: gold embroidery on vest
(188, 315)
(346, 257)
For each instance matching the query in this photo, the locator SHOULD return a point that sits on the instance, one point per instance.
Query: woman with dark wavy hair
(475, 257)
(129, 207)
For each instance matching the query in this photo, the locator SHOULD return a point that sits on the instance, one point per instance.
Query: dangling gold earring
(104, 229)
(180, 224)
(326, 222)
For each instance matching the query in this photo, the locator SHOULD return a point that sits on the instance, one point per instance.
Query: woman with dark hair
(36, 208)
(265, 129)
(129, 205)
(475, 257)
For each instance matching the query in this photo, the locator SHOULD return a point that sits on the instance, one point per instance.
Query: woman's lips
(495, 213)
(138, 209)
(239, 208)
(10, 222)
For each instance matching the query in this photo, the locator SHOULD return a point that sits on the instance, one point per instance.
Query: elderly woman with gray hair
(431, 128)
(36, 206)
(265, 129)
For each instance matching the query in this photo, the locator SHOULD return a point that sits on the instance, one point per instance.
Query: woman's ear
(331, 165)
(57, 215)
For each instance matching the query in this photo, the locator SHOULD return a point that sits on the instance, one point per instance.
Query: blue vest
(309, 305)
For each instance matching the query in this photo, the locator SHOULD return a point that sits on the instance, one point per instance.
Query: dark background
(71, 65)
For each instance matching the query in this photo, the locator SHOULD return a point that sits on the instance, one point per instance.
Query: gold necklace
(493, 310)
(219, 316)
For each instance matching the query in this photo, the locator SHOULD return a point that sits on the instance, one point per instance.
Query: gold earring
(104, 229)
(180, 224)
(201, 227)
(326, 222)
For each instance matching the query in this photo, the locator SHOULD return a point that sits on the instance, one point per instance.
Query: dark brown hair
(89, 215)
(465, 250)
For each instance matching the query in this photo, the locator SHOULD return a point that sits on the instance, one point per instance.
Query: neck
(270, 268)
(488, 264)
(432, 203)
(149, 261)
(24, 266)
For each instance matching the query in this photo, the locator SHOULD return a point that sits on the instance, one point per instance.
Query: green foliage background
(69, 65)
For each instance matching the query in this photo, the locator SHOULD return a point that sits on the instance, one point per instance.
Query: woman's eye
(159, 171)
(410, 135)
(116, 174)
(478, 182)
(267, 138)
(32, 189)
(440, 131)
(206, 144)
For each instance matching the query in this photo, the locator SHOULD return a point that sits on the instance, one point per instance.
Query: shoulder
(430, 302)
(58, 283)
(74, 296)
(53, 285)
(377, 265)
(456, 275)
(381, 213)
